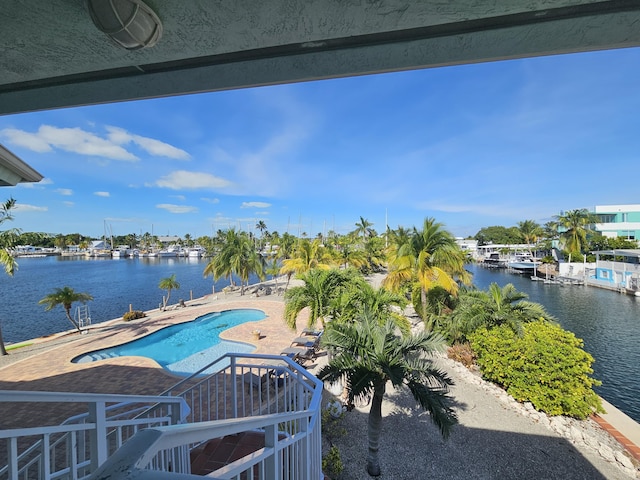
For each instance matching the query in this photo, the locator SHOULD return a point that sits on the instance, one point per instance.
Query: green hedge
(545, 366)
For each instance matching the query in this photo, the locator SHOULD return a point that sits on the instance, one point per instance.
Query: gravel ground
(496, 438)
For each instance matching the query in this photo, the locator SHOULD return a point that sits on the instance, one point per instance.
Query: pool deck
(46, 365)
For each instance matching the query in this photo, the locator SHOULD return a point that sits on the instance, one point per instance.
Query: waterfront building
(617, 269)
(618, 221)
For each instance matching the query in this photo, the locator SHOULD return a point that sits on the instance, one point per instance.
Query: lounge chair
(299, 355)
(307, 341)
(311, 332)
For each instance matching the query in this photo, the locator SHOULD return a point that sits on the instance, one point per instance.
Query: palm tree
(492, 308)
(530, 231)
(349, 256)
(236, 257)
(65, 296)
(307, 255)
(320, 291)
(427, 258)
(574, 223)
(168, 283)
(7, 239)
(368, 355)
(363, 227)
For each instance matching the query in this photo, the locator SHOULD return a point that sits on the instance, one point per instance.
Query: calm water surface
(607, 321)
(113, 283)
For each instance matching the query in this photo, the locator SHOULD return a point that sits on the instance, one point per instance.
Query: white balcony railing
(259, 393)
(79, 445)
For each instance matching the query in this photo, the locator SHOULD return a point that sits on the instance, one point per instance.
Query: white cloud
(263, 213)
(210, 200)
(178, 197)
(30, 141)
(67, 192)
(150, 145)
(184, 180)
(177, 208)
(102, 194)
(68, 203)
(23, 207)
(255, 205)
(77, 140)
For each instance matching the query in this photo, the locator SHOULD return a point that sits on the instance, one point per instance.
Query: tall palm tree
(7, 239)
(368, 355)
(236, 256)
(531, 232)
(494, 307)
(168, 283)
(363, 228)
(319, 293)
(66, 297)
(428, 258)
(574, 223)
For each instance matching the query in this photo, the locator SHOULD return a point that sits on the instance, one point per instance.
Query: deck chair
(311, 332)
(307, 341)
(299, 355)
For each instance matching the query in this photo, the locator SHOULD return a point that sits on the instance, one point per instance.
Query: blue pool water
(186, 347)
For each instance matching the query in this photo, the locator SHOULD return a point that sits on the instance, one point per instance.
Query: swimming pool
(186, 347)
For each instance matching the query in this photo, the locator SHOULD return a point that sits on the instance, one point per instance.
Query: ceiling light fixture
(129, 23)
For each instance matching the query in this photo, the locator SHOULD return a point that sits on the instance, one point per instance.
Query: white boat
(523, 262)
(196, 252)
(169, 252)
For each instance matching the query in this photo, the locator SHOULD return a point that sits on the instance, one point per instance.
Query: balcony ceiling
(52, 56)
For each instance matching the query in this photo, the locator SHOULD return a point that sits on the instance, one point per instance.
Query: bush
(133, 315)
(462, 352)
(332, 463)
(545, 366)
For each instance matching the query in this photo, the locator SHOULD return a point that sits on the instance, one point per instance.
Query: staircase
(125, 437)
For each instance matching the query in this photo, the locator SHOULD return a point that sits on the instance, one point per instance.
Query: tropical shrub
(133, 315)
(545, 366)
(332, 463)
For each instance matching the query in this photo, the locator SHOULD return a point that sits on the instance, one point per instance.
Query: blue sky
(473, 146)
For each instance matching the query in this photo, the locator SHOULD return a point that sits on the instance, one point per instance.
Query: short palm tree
(168, 284)
(66, 297)
(494, 307)
(368, 355)
(320, 291)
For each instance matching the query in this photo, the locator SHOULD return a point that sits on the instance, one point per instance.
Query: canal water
(607, 321)
(113, 283)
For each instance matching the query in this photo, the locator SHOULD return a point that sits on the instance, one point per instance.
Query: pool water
(186, 347)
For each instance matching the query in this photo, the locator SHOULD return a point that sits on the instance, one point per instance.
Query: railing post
(271, 463)
(234, 386)
(99, 445)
